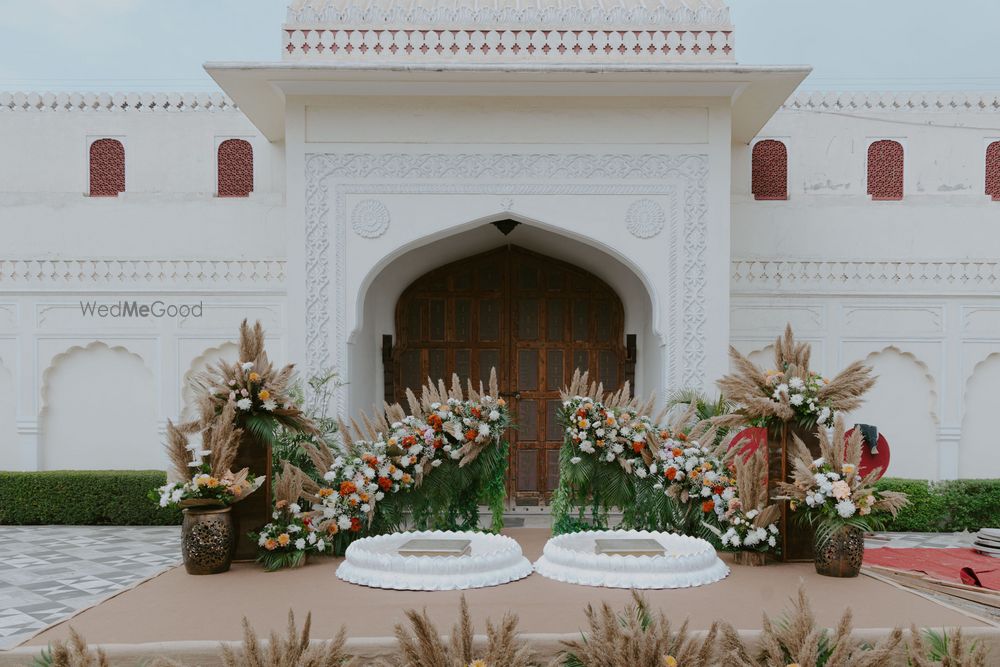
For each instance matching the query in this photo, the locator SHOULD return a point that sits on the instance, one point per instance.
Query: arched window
(885, 170)
(770, 170)
(235, 168)
(993, 170)
(107, 168)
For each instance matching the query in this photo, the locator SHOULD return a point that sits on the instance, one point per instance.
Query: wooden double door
(535, 319)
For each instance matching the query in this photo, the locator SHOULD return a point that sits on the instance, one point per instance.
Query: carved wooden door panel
(532, 317)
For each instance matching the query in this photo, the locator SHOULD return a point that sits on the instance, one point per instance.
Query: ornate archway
(532, 317)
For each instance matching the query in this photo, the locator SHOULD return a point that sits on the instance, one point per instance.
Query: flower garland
(451, 432)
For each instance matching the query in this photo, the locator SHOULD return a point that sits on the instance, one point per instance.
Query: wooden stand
(251, 513)
(796, 538)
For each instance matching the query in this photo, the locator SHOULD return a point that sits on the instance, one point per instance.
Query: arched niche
(979, 448)
(903, 406)
(10, 455)
(99, 412)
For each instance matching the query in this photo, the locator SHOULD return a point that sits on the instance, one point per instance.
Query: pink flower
(841, 490)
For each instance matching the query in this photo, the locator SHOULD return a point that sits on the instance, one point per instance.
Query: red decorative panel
(993, 170)
(770, 170)
(885, 170)
(107, 168)
(235, 168)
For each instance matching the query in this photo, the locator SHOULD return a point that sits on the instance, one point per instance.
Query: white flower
(294, 508)
(640, 472)
(244, 404)
(320, 545)
(337, 462)
(796, 399)
(436, 462)
(379, 495)
(824, 415)
(818, 462)
(300, 544)
(311, 538)
(846, 508)
(771, 541)
(246, 365)
(330, 476)
(735, 540)
(773, 528)
(293, 528)
(269, 405)
(796, 383)
(494, 415)
(484, 430)
(262, 540)
(344, 522)
(365, 508)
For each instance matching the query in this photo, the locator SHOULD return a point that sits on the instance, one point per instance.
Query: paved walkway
(49, 572)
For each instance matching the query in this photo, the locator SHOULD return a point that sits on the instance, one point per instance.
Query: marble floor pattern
(49, 572)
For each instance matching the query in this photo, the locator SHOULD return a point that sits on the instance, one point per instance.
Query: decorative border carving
(893, 101)
(687, 316)
(169, 273)
(833, 276)
(499, 13)
(145, 102)
(485, 44)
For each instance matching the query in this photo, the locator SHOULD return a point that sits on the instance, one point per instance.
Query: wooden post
(251, 513)
(796, 538)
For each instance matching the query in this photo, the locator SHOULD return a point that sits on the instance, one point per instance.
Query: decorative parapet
(832, 276)
(114, 102)
(184, 274)
(894, 102)
(503, 31)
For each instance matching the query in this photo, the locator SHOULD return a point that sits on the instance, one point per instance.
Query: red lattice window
(885, 170)
(235, 168)
(107, 168)
(770, 170)
(993, 170)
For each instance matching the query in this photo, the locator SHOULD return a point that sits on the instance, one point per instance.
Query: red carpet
(943, 564)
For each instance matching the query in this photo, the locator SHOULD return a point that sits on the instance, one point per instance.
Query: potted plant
(829, 494)
(206, 490)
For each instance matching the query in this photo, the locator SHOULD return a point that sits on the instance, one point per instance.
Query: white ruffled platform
(374, 561)
(688, 561)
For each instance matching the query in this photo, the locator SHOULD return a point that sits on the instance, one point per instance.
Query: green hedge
(83, 497)
(956, 505)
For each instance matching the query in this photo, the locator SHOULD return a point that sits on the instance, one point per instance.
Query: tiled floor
(49, 572)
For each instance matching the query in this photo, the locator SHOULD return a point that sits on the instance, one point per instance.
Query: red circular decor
(871, 461)
(749, 440)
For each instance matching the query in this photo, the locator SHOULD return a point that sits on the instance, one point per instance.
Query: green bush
(83, 497)
(955, 505)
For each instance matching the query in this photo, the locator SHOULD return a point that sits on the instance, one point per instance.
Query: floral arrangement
(617, 455)
(830, 493)
(204, 468)
(290, 536)
(791, 391)
(441, 458)
(750, 521)
(259, 393)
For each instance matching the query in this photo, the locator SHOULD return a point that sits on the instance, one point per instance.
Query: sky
(115, 45)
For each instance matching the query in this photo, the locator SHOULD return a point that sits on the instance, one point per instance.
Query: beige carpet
(176, 606)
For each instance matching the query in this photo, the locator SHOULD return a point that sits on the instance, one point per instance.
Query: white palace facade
(422, 188)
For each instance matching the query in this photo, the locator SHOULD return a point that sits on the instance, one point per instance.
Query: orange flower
(682, 437)
(406, 478)
(501, 402)
(384, 483)
(347, 488)
(637, 446)
(355, 525)
(263, 394)
(708, 506)
(270, 545)
(331, 528)
(323, 493)
(435, 422)
(671, 473)
(253, 377)
(284, 539)
(676, 451)
(470, 435)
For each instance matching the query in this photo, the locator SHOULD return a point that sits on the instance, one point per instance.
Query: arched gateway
(534, 319)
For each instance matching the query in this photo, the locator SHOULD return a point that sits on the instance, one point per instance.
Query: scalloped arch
(977, 452)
